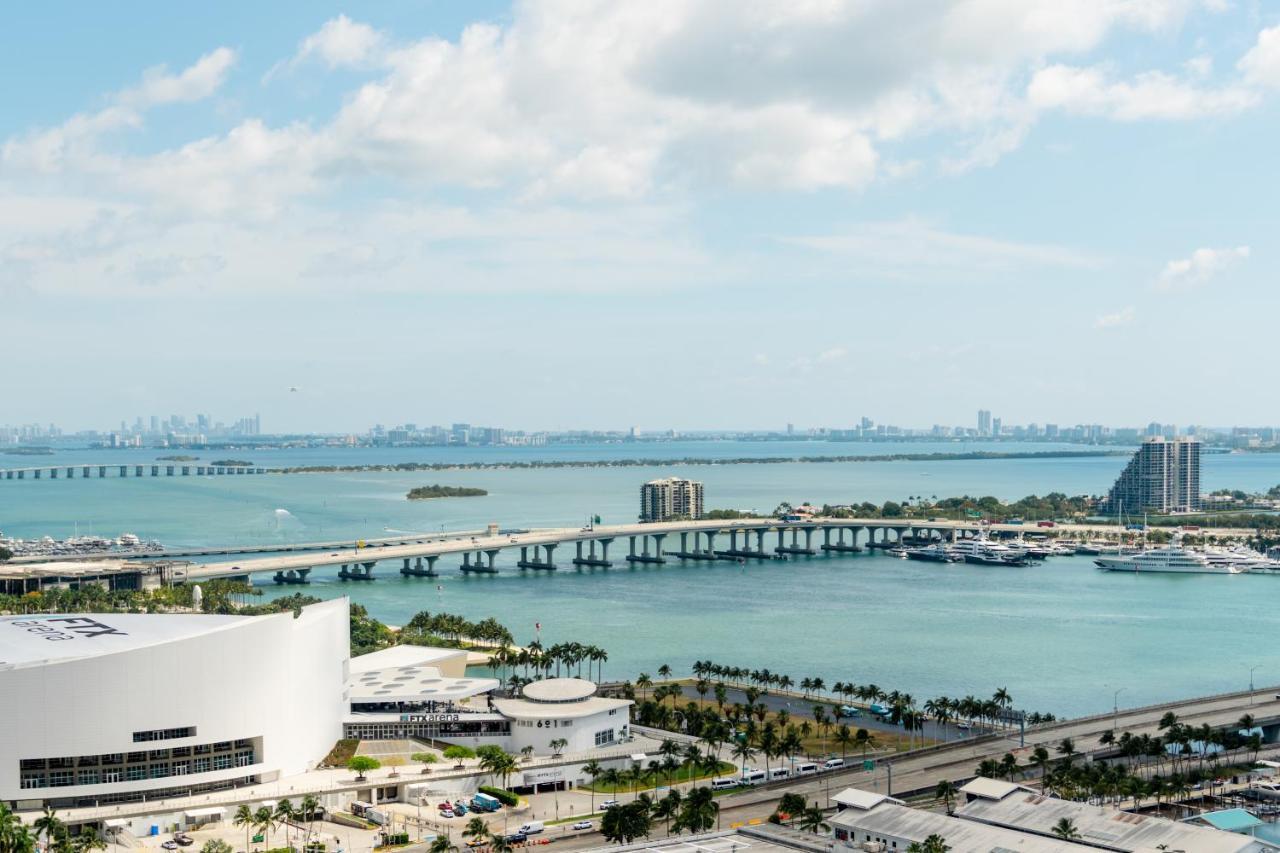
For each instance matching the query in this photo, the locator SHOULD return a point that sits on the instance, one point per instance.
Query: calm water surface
(1061, 636)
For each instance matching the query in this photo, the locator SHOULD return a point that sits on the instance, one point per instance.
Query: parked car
(169, 845)
(183, 839)
(446, 813)
(608, 804)
(583, 824)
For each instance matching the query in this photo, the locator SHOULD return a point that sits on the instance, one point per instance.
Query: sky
(693, 215)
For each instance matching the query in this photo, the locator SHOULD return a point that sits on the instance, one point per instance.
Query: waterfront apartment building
(984, 422)
(1163, 476)
(674, 497)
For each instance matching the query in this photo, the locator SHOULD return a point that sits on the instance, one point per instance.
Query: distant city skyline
(748, 215)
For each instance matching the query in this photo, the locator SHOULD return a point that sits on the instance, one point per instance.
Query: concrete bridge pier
(795, 547)
(86, 472)
(186, 470)
(590, 559)
(357, 572)
(479, 566)
(293, 576)
(645, 557)
(137, 470)
(417, 570)
(22, 473)
(124, 470)
(71, 473)
(102, 471)
(155, 470)
(839, 546)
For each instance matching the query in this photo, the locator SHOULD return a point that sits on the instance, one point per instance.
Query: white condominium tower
(1163, 476)
(663, 500)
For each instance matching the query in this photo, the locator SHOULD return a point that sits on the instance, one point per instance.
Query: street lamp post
(1115, 709)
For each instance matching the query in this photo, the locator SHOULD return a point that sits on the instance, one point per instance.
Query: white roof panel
(51, 637)
(856, 798)
(403, 655)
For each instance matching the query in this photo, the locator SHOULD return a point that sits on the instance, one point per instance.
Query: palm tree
(246, 818)
(1040, 759)
(946, 791)
(1065, 829)
(557, 744)
(476, 829)
(664, 672)
(307, 811)
(593, 769)
(284, 814)
(1067, 749)
(744, 751)
(49, 826)
(668, 808)
(844, 737)
(264, 822)
(813, 820)
(643, 681)
(442, 844)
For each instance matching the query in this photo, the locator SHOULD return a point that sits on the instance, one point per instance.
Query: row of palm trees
(539, 660)
(989, 712)
(266, 820)
(15, 837)
(458, 628)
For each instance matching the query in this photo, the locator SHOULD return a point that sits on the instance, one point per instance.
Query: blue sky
(694, 215)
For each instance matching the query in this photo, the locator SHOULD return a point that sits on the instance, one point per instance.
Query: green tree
(216, 845)
(1065, 829)
(946, 791)
(264, 822)
(813, 820)
(362, 764)
(791, 805)
(48, 826)
(700, 811)
(245, 817)
(625, 823)
(458, 753)
(476, 830)
(442, 844)
(426, 759)
(593, 769)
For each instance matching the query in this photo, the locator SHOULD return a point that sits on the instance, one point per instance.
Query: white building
(114, 708)
(671, 498)
(121, 707)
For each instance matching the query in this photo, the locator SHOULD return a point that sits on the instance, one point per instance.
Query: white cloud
(1202, 265)
(1261, 65)
(1123, 317)
(195, 83)
(72, 146)
(1150, 95)
(342, 42)
(915, 249)
(832, 354)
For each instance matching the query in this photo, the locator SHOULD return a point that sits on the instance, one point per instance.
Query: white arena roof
(415, 684)
(403, 655)
(51, 637)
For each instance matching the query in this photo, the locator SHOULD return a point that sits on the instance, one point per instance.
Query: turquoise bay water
(1061, 636)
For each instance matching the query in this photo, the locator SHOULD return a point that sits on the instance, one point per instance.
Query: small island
(179, 458)
(423, 493)
(231, 463)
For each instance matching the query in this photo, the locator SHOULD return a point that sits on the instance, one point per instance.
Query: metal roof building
(876, 819)
(1019, 808)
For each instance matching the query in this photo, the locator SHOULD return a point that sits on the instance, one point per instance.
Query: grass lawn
(815, 745)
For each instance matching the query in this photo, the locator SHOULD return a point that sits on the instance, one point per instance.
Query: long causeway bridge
(114, 470)
(548, 549)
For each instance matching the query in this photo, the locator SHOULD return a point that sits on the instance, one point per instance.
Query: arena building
(122, 707)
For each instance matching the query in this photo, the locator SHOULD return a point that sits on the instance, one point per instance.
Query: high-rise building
(996, 426)
(984, 422)
(1163, 476)
(663, 500)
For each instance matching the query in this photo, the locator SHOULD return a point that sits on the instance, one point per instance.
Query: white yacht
(1173, 559)
(987, 552)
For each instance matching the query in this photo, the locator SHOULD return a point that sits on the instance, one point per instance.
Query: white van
(532, 827)
(753, 777)
(806, 769)
(723, 784)
(833, 763)
(779, 773)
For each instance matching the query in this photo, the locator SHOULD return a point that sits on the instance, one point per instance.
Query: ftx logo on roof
(87, 627)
